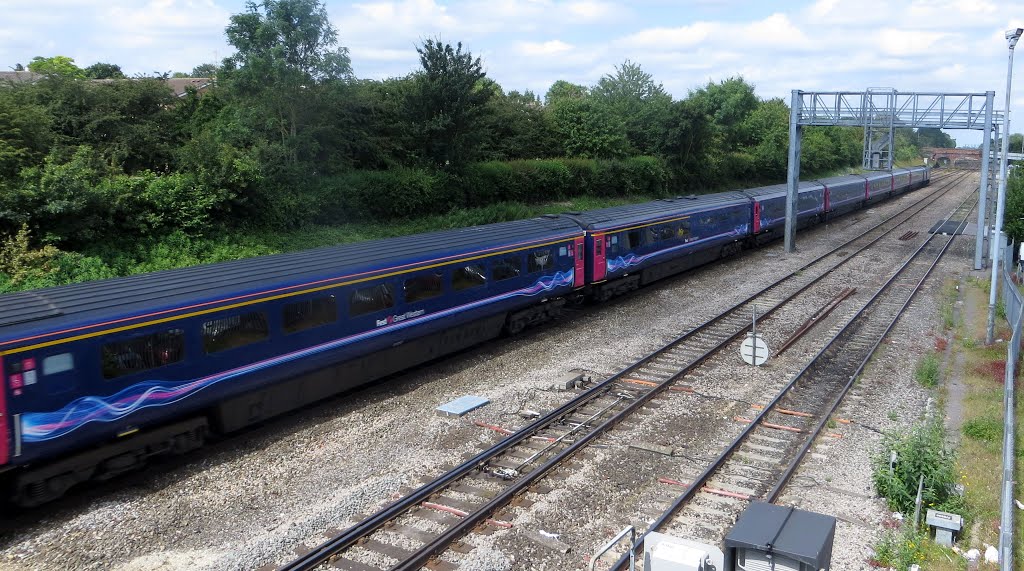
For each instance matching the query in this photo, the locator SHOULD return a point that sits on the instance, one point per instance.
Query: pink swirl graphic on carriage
(43, 426)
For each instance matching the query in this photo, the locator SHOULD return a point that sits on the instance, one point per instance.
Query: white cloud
(551, 47)
(670, 38)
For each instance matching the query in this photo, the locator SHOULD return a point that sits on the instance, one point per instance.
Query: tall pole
(793, 172)
(979, 242)
(997, 241)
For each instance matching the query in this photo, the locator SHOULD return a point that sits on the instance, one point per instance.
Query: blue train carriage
(879, 186)
(902, 180)
(633, 245)
(919, 177)
(769, 216)
(98, 376)
(845, 193)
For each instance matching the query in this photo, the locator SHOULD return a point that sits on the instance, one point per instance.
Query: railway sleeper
(40, 484)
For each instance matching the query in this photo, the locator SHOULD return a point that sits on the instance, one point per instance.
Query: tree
(449, 103)
(205, 70)
(589, 130)
(104, 71)
(729, 103)
(286, 50)
(520, 128)
(642, 104)
(59, 66)
(561, 90)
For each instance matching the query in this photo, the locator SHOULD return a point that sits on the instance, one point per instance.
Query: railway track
(469, 496)
(759, 462)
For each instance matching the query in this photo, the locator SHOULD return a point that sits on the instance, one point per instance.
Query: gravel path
(250, 500)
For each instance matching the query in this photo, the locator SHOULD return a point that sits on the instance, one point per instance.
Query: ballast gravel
(251, 499)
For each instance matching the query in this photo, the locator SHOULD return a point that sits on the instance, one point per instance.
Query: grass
(927, 371)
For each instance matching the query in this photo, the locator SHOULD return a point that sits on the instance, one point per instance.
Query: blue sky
(922, 45)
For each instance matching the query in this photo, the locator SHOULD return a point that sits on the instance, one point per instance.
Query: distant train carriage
(919, 177)
(901, 181)
(153, 362)
(879, 186)
(770, 207)
(633, 245)
(845, 193)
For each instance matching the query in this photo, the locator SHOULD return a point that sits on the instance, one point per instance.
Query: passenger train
(98, 377)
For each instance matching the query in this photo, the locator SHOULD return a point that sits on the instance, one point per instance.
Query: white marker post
(753, 350)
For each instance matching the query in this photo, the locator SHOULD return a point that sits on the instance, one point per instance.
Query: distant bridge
(939, 155)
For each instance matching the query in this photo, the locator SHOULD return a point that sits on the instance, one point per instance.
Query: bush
(927, 371)
(984, 429)
(399, 193)
(920, 450)
(900, 549)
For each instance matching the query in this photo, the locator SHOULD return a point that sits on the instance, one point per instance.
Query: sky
(823, 45)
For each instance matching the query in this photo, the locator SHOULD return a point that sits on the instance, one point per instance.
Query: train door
(580, 261)
(828, 199)
(5, 421)
(600, 257)
(757, 216)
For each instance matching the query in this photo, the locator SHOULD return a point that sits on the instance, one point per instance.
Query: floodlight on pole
(1012, 36)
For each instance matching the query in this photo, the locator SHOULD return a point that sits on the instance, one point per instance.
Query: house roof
(180, 85)
(20, 76)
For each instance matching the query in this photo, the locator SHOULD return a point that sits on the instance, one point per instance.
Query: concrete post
(979, 241)
(793, 172)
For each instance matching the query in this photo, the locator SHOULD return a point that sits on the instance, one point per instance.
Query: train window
(371, 299)
(506, 268)
(468, 277)
(684, 230)
(234, 331)
(143, 352)
(58, 363)
(631, 240)
(539, 260)
(666, 232)
(309, 313)
(422, 287)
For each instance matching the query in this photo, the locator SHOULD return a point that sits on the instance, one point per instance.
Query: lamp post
(1012, 36)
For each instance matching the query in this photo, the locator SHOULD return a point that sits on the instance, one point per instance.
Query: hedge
(409, 193)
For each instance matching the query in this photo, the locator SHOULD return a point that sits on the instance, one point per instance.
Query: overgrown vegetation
(899, 549)
(288, 138)
(927, 370)
(920, 451)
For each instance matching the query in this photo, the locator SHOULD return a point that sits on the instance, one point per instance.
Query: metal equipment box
(776, 538)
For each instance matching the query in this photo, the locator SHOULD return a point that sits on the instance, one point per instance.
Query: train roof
(843, 179)
(652, 212)
(776, 190)
(36, 311)
(875, 175)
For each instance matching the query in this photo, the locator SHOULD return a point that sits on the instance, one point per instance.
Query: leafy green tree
(104, 71)
(588, 129)
(642, 104)
(287, 49)
(1014, 219)
(25, 136)
(205, 70)
(561, 90)
(449, 104)
(520, 128)
(61, 66)
(729, 103)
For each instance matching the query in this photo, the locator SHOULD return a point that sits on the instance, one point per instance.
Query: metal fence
(1013, 304)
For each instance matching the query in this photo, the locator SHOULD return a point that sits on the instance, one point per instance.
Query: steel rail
(697, 483)
(375, 522)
